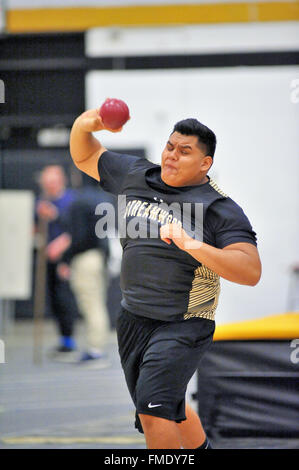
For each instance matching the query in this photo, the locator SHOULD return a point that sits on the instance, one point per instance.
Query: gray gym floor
(54, 405)
(62, 405)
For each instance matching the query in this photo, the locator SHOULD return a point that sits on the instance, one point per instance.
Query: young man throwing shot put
(170, 277)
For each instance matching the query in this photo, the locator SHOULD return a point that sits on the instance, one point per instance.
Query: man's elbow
(255, 276)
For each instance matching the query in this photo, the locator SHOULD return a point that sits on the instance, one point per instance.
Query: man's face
(183, 162)
(53, 181)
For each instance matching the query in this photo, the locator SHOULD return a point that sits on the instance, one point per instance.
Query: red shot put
(114, 113)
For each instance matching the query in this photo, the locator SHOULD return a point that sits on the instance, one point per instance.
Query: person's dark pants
(61, 301)
(158, 359)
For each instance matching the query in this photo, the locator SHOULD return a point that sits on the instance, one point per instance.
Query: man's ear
(207, 163)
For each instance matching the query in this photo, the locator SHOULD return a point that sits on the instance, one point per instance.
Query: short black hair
(205, 135)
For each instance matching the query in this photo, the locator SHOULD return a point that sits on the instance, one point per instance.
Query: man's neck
(204, 180)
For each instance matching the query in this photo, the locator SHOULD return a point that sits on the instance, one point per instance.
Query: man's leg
(160, 433)
(65, 308)
(165, 434)
(168, 364)
(191, 432)
(88, 284)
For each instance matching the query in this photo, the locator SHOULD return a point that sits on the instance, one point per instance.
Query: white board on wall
(192, 39)
(255, 117)
(16, 238)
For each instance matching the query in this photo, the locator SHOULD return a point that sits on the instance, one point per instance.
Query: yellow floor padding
(282, 326)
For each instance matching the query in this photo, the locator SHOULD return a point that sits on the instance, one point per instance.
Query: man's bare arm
(84, 147)
(239, 262)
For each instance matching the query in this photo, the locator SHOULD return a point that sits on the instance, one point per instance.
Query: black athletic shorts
(159, 359)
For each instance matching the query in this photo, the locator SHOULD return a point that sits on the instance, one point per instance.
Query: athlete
(182, 233)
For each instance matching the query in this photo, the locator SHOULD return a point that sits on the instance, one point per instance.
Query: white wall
(16, 209)
(256, 162)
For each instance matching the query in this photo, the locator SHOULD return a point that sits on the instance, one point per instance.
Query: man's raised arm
(84, 147)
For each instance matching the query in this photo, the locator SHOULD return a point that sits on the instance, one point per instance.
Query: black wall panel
(39, 46)
(44, 84)
(43, 93)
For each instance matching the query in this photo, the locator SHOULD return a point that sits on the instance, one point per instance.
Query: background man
(52, 204)
(83, 257)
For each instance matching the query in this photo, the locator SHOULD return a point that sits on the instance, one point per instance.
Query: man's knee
(150, 422)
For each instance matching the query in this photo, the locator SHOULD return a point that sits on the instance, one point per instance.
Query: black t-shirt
(158, 280)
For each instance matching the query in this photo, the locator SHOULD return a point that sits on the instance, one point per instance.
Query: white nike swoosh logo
(153, 406)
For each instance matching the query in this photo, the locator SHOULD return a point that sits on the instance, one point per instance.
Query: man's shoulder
(209, 193)
(225, 207)
(141, 162)
(126, 159)
(215, 189)
(221, 202)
